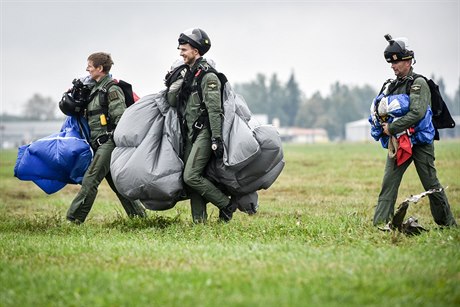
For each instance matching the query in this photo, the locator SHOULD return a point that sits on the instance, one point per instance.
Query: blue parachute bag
(398, 105)
(56, 160)
(424, 131)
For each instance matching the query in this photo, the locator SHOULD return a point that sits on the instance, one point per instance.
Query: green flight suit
(198, 153)
(100, 165)
(422, 156)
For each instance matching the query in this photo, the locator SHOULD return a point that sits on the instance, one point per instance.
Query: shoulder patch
(113, 95)
(415, 88)
(211, 85)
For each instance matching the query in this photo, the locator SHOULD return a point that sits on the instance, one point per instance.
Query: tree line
(344, 103)
(284, 101)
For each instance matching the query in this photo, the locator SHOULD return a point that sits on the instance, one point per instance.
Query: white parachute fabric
(390, 106)
(145, 164)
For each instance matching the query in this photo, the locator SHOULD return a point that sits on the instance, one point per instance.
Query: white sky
(45, 44)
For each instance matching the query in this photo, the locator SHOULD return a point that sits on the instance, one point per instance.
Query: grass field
(312, 243)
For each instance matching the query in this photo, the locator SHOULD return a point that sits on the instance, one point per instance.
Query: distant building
(15, 134)
(358, 131)
(292, 134)
(303, 135)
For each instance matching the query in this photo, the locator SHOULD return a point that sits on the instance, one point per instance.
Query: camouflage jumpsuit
(100, 165)
(198, 153)
(422, 156)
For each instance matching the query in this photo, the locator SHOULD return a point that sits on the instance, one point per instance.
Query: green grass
(312, 243)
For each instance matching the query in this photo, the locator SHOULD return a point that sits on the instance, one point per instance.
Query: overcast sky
(45, 44)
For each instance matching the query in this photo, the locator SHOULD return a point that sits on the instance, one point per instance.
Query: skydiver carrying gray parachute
(195, 140)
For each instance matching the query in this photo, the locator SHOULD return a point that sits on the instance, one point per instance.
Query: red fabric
(404, 149)
(136, 98)
(411, 131)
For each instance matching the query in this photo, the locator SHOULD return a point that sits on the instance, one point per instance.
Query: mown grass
(312, 243)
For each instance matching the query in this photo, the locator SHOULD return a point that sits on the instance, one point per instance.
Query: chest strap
(94, 112)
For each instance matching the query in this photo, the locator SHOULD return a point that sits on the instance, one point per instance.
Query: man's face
(189, 54)
(401, 68)
(96, 73)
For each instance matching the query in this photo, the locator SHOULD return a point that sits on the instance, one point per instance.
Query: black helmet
(70, 106)
(197, 38)
(397, 50)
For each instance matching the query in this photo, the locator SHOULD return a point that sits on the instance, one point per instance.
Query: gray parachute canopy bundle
(146, 162)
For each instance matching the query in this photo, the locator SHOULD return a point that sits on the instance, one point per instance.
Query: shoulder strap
(384, 85)
(172, 76)
(411, 81)
(199, 77)
(203, 119)
(399, 84)
(201, 72)
(104, 102)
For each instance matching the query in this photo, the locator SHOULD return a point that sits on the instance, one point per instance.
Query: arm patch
(113, 95)
(211, 85)
(415, 88)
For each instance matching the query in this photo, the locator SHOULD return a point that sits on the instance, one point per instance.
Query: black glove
(217, 147)
(167, 79)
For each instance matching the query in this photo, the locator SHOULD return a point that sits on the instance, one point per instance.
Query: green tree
(286, 102)
(255, 94)
(292, 100)
(343, 105)
(276, 101)
(311, 111)
(40, 108)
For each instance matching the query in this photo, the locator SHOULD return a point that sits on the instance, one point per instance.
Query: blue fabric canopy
(56, 160)
(395, 106)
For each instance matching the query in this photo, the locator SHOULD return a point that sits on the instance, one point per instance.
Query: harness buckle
(98, 142)
(103, 138)
(198, 125)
